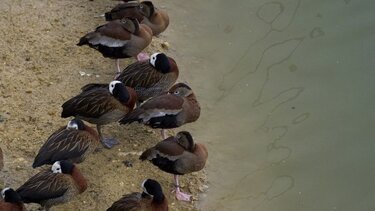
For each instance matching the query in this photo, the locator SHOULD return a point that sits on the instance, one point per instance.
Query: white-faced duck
(101, 106)
(151, 199)
(72, 142)
(58, 185)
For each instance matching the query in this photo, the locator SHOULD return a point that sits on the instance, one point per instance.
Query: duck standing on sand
(11, 201)
(72, 142)
(156, 19)
(177, 155)
(148, 78)
(52, 187)
(151, 199)
(118, 39)
(101, 106)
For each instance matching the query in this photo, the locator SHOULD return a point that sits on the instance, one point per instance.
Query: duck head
(119, 91)
(64, 166)
(147, 8)
(75, 124)
(181, 89)
(185, 139)
(10, 195)
(153, 188)
(161, 62)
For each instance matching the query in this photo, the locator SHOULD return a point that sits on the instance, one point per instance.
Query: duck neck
(79, 180)
(158, 198)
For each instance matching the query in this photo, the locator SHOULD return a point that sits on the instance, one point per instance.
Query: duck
(72, 142)
(11, 201)
(177, 155)
(171, 110)
(148, 78)
(51, 187)
(151, 199)
(101, 106)
(145, 12)
(123, 38)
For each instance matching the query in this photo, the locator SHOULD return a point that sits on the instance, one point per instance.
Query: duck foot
(109, 142)
(142, 56)
(182, 196)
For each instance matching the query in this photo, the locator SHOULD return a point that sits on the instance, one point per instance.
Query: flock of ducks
(145, 92)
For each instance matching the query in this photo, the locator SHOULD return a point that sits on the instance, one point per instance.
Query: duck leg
(143, 56)
(163, 134)
(107, 142)
(180, 195)
(118, 65)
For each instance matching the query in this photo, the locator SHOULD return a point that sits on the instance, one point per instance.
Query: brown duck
(72, 142)
(101, 106)
(177, 155)
(179, 106)
(119, 39)
(145, 12)
(148, 78)
(151, 199)
(11, 201)
(52, 187)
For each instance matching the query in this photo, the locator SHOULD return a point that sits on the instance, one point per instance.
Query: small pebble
(165, 45)
(128, 163)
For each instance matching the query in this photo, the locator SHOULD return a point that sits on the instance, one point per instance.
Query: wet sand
(41, 67)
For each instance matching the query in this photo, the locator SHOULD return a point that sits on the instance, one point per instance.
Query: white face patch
(143, 186)
(3, 192)
(72, 125)
(153, 59)
(56, 167)
(112, 86)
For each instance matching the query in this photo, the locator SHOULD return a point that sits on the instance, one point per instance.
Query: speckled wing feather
(42, 186)
(159, 106)
(93, 86)
(140, 74)
(128, 202)
(64, 144)
(91, 104)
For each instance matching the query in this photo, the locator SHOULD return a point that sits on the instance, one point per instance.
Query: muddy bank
(40, 68)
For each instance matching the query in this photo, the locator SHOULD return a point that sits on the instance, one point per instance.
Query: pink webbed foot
(142, 56)
(182, 196)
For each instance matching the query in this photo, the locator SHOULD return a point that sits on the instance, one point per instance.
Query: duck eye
(176, 92)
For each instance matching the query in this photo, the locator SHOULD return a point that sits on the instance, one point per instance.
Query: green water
(287, 91)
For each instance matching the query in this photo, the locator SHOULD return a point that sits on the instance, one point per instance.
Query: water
(287, 91)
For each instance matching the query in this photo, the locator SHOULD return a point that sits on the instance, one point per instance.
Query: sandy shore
(40, 69)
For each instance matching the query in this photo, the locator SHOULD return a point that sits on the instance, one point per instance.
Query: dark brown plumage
(179, 106)
(72, 142)
(148, 78)
(151, 199)
(52, 187)
(145, 12)
(177, 155)
(11, 201)
(101, 106)
(119, 38)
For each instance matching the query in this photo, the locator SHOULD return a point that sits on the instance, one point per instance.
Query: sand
(41, 67)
